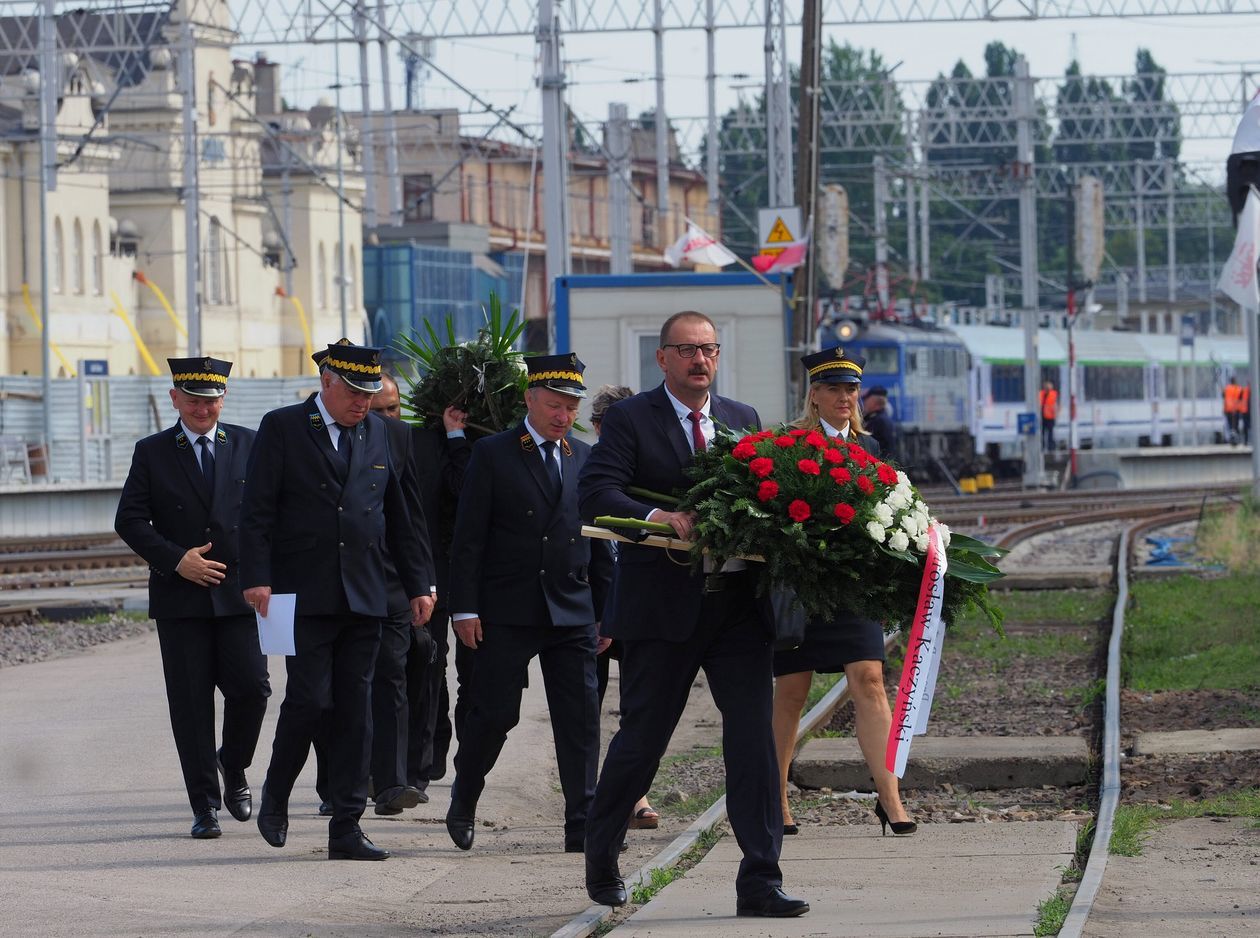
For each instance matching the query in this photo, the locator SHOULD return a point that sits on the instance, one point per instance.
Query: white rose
(897, 500)
(944, 529)
(921, 517)
(884, 515)
(910, 524)
(899, 541)
(876, 531)
(921, 543)
(902, 479)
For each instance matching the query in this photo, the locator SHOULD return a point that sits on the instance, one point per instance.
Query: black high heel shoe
(900, 828)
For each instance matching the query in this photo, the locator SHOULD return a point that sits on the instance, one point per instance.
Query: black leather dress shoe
(206, 825)
(605, 886)
(459, 824)
(394, 800)
(355, 846)
(273, 820)
(236, 794)
(774, 904)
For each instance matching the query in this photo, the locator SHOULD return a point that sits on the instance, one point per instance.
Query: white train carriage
(1128, 387)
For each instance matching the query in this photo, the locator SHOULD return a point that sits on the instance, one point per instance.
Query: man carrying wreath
(672, 622)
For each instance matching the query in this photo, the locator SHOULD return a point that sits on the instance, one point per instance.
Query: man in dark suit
(323, 501)
(673, 622)
(525, 583)
(179, 510)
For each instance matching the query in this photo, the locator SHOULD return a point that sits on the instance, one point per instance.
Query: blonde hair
(810, 419)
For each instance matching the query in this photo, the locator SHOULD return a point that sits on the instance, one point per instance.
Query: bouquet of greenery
(832, 523)
(485, 376)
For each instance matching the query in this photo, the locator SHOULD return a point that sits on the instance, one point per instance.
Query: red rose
(798, 510)
(785, 442)
(887, 474)
(865, 484)
(809, 467)
(833, 455)
(859, 455)
(816, 440)
(841, 476)
(768, 490)
(744, 450)
(764, 435)
(845, 513)
(761, 467)
(798, 432)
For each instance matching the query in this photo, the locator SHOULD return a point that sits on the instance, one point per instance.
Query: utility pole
(660, 128)
(881, 237)
(393, 184)
(1024, 114)
(341, 199)
(49, 86)
(806, 277)
(778, 108)
(711, 171)
(555, 148)
(618, 146)
(368, 141)
(192, 204)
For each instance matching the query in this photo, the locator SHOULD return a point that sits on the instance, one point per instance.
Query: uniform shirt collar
(192, 437)
(539, 439)
(828, 429)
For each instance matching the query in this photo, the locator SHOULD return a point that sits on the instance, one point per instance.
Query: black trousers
(731, 645)
(391, 689)
(330, 678)
(568, 666)
(199, 655)
(1047, 434)
(426, 707)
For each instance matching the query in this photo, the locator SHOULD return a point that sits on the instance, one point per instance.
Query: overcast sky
(619, 67)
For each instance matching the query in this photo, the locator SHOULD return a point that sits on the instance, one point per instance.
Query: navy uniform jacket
(165, 509)
(642, 443)
(310, 527)
(518, 551)
(441, 462)
(403, 456)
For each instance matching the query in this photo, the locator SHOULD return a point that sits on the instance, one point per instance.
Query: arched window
(58, 270)
(214, 264)
(98, 260)
(321, 279)
(76, 259)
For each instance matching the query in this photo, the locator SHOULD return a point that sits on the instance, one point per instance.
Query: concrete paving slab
(946, 880)
(1194, 877)
(976, 761)
(1194, 741)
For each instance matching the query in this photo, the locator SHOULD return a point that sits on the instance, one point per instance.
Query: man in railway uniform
(674, 620)
(322, 499)
(525, 583)
(180, 510)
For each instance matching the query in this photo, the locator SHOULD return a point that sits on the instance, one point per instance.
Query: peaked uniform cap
(561, 373)
(834, 366)
(202, 376)
(319, 356)
(357, 365)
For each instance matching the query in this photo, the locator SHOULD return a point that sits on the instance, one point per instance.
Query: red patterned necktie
(697, 437)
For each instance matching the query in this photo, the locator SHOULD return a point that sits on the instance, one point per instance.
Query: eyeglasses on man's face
(688, 350)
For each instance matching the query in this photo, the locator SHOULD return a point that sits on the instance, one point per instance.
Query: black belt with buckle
(717, 582)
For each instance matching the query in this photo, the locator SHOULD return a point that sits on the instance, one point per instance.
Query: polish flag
(699, 247)
(791, 257)
(1238, 277)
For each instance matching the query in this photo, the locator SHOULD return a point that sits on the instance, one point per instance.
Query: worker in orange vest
(1049, 400)
(1244, 413)
(1232, 397)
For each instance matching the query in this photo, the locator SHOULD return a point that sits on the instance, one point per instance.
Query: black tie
(207, 462)
(553, 466)
(343, 443)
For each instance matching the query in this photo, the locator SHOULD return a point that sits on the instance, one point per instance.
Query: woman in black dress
(847, 643)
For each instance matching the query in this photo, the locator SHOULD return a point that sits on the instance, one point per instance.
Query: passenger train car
(956, 392)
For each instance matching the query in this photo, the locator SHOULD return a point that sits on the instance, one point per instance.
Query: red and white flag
(699, 247)
(1238, 278)
(923, 659)
(789, 258)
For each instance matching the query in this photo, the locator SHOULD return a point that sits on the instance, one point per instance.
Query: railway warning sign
(777, 228)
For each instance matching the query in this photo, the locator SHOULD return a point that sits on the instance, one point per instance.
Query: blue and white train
(956, 392)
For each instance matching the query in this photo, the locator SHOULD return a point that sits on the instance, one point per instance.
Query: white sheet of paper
(275, 629)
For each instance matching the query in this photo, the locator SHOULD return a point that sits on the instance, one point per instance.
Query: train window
(912, 361)
(944, 363)
(1007, 383)
(1204, 381)
(1114, 383)
(881, 359)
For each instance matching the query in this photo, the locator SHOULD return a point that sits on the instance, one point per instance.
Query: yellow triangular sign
(779, 233)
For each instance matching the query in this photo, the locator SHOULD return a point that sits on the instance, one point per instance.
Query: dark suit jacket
(165, 509)
(441, 462)
(641, 443)
(518, 554)
(310, 527)
(402, 455)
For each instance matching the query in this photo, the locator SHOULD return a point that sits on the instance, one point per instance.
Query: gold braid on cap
(832, 365)
(553, 375)
(352, 366)
(200, 376)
